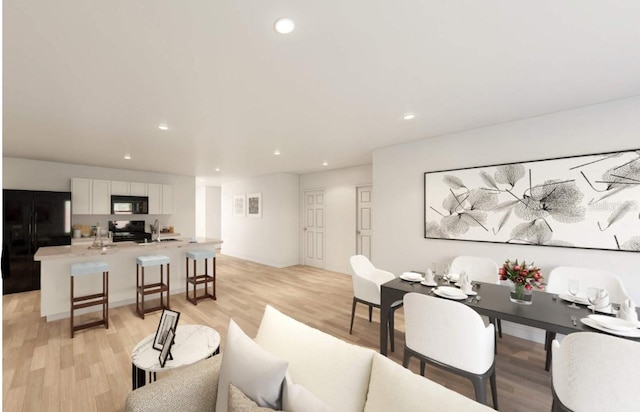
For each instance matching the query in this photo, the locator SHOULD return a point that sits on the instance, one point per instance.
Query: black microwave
(129, 205)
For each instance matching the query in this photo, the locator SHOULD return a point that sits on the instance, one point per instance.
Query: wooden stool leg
(168, 287)
(105, 292)
(195, 283)
(186, 278)
(71, 311)
(161, 282)
(142, 295)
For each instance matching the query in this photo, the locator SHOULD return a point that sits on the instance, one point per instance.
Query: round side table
(192, 344)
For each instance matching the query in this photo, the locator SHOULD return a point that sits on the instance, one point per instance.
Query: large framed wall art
(589, 201)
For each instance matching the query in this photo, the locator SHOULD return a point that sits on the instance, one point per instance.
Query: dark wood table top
(548, 311)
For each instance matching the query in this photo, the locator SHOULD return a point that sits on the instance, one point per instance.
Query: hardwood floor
(45, 370)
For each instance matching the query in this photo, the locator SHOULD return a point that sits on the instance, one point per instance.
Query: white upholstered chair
(480, 269)
(558, 281)
(366, 289)
(595, 372)
(452, 336)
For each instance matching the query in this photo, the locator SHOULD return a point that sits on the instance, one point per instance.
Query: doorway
(314, 228)
(364, 216)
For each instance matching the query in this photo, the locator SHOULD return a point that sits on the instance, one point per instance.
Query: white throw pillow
(251, 369)
(297, 398)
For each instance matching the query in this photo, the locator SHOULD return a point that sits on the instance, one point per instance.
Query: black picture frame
(166, 347)
(168, 320)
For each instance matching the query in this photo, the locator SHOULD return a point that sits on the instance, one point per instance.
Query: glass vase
(520, 295)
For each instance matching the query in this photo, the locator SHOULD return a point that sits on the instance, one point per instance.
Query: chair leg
(494, 390)
(422, 365)
(370, 312)
(480, 388)
(499, 323)
(406, 357)
(391, 328)
(353, 312)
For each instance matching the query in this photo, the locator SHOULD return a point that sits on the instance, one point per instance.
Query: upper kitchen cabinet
(81, 196)
(138, 189)
(160, 199)
(167, 199)
(120, 188)
(101, 197)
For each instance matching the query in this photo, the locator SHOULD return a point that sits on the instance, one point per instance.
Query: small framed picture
(254, 205)
(237, 207)
(166, 348)
(168, 320)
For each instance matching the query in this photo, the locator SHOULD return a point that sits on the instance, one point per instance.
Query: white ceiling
(88, 81)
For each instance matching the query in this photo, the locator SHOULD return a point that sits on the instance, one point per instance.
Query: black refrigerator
(31, 219)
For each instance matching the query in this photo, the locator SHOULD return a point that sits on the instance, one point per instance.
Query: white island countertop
(56, 264)
(84, 250)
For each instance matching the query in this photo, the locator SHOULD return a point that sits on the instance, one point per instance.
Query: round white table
(192, 344)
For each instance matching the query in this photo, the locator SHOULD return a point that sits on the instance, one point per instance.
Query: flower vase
(520, 295)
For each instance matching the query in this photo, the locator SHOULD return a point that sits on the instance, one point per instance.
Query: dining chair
(595, 372)
(557, 283)
(451, 336)
(480, 269)
(366, 289)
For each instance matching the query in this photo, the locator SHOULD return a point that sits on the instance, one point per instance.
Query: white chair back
(367, 279)
(596, 372)
(558, 281)
(448, 332)
(477, 268)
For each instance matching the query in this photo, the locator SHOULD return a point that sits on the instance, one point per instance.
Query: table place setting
(625, 324)
(430, 279)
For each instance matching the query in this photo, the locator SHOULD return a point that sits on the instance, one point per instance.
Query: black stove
(129, 231)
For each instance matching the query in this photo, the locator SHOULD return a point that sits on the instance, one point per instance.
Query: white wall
(270, 240)
(340, 212)
(40, 175)
(398, 186)
(213, 224)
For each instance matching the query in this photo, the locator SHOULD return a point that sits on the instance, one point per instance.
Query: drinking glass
(434, 268)
(592, 295)
(574, 287)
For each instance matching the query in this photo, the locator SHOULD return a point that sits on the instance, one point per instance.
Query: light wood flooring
(45, 370)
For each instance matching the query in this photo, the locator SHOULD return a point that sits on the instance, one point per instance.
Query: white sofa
(345, 377)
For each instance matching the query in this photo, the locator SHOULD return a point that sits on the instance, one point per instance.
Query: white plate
(579, 299)
(424, 282)
(453, 277)
(610, 310)
(635, 333)
(411, 277)
(613, 323)
(450, 293)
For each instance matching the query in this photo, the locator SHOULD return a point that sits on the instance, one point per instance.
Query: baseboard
(524, 332)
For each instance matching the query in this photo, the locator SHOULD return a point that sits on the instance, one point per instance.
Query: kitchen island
(56, 263)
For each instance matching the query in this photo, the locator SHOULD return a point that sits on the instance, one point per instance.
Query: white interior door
(314, 228)
(364, 232)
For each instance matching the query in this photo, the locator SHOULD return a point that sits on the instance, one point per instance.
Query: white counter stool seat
(80, 302)
(202, 279)
(143, 289)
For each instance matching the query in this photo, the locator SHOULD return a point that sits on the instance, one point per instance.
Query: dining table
(548, 311)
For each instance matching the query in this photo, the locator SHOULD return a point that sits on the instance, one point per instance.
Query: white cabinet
(101, 197)
(138, 189)
(154, 191)
(167, 199)
(120, 188)
(81, 196)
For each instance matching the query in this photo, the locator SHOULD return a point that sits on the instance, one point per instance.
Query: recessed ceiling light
(409, 116)
(127, 157)
(276, 152)
(217, 169)
(325, 163)
(163, 127)
(285, 25)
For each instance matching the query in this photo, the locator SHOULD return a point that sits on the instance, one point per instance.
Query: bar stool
(143, 289)
(79, 302)
(205, 278)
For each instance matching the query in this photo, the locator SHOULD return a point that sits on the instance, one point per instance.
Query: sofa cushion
(297, 398)
(256, 372)
(239, 402)
(333, 370)
(395, 388)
